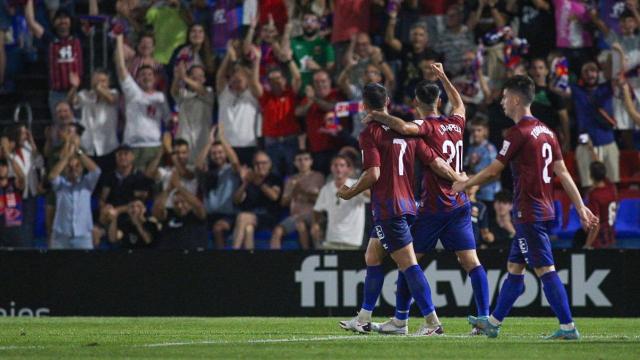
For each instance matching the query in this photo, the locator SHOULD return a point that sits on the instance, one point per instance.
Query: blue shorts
(394, 233)
(531, 245)
(454, 229)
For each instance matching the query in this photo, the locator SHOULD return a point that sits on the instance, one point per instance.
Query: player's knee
(468, 260)
(543, 270)
(515, 268)
(371, 258)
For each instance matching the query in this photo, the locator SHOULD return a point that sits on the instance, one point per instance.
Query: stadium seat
(627, 223)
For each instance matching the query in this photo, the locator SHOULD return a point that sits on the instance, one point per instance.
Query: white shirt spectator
(345, 219)
(195, 119)
(145, 112)
(30, 164)
(100, 120)
(164, 174)
(240, 117)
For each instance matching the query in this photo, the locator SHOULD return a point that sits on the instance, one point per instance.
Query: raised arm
(454, 96)
(30, 16)
(227, 62)
(395, 123)
(587, 219)
(344, 81)
(20, 177)
(296, 78)
(196, 204)
(368, 177)
(629, 105)
(121, 66)
(254, 83)
(94, 10)
(595, 19)
(390, 32)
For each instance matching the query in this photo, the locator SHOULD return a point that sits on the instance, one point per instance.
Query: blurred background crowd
(229, 124)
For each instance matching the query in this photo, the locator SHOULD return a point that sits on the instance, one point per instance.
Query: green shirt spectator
(311, 51)
(170, 25)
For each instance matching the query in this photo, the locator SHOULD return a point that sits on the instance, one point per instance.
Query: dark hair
(480, 121)
(302, 152)
(428, 92)
(147, 34)
(523, 85)
(374, 96)
(342, 157)
(101, 71)
(503, 196)
(13, 132)
(180, 142)
(144, 67)
(626, 14)
(530, 64)
(598, 171)
(3, 162)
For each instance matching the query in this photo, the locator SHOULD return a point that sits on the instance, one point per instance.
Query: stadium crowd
(218, 120)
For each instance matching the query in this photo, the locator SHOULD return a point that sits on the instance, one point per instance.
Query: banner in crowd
(156, 283)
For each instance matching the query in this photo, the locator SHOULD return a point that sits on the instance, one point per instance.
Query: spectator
(11, 210)
(226, 21)
(280, 127)
(455, 42)
(479, 155)
(133, 229)
(410, 54)
(297, 10)
(99, 117)
(26, 157)
(144, 58)
(64, 52)
(271, 11)
(196, 51)
(547, 105)
(184, 226)
(312, 51)
(472, 83)
(145, 108)
(273, 49)
(350, 17)
(488, 16)
(501, 225)
(572, 35)
(321, 130)
(630, 97)
(257, 197)
(195, 103)
(479, 219)
(73, 223)
(179, 167)
(602, 201)
(300, 193)
(169, 21)
(344, 219)
(219, 168)
(593, 107)
(360, 54)
(537, 25)
(238, 107)
(623, 45)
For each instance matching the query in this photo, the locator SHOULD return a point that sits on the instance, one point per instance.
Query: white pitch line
(16, 347)
(363, 337)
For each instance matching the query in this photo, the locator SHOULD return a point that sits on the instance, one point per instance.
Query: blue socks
(512, 288)
(557, 296)
(420, 289)
(480, 289)
(403, 297)
(373, 282)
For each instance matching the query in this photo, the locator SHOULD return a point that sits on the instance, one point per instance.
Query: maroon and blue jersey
(444, 136)
(392, 195)
(531, 148)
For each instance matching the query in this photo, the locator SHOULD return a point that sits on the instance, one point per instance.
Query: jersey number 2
(403, 149)
(548, 158)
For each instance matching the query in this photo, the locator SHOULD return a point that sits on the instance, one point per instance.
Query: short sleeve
(424, 153)
(425, 127)
(321, 202)
(510, 145)
(130, 89)
(370, 153)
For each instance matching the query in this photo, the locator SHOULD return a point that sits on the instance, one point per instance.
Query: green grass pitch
(321, 338)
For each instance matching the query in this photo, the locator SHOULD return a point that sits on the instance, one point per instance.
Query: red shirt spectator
(278, 112)
(65, 57)
(435, 7)
(319, 139)
(350, 17)
(277, 9)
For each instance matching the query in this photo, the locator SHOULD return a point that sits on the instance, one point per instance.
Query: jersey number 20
(455, 153)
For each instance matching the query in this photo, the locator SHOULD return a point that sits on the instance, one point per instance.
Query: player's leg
(373, 281)
(541, 258)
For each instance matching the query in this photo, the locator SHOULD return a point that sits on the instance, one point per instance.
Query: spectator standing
(572, 36)
(99, 117)
(133, 229)
(547, 105)
(64, 52)
(11, 206)
(537, 25)
(479, 155)
(196, 51)
(455, 41)
(321, 131)
(184, 226)
(144, 58)
(195, 103)
(145, 108)
(300, 193)
(602, 201)
(349, 18)
(311, 51)
(238, 106)
(257, 198)
(344, 219)
(226, 19)
(73, 221)
(593, 107)
(169, 21)
(218, 167)
(280, 127)
(360, 54)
